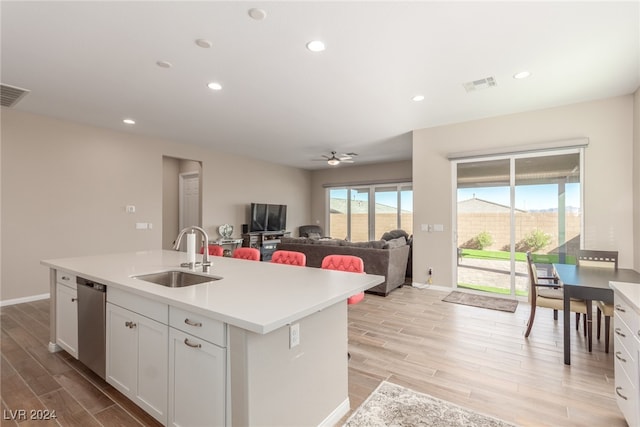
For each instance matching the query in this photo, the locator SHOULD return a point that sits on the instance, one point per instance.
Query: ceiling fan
(334, 159)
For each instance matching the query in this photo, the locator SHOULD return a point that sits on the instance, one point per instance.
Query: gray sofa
(385, 258)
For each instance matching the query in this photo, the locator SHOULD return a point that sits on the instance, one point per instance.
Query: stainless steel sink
(176, 278)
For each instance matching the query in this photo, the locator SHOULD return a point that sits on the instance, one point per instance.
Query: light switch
(424, 227)
(131, 209)
(141, 225)
(438, 227)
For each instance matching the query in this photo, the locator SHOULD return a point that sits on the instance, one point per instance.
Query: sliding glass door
(362, 213)
(509, 205)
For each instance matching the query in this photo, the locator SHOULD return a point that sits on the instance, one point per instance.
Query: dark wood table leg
(589, 322)
(567, 326)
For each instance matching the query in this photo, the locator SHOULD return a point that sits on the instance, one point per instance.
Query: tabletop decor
(394, 405)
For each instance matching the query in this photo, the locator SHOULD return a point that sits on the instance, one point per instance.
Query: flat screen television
(268, 217)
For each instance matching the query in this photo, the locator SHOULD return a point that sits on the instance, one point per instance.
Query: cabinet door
(122, 349)
(67, 319)
(151, 394)
(197, 381)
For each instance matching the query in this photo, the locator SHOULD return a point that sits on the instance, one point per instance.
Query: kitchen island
(266, 344)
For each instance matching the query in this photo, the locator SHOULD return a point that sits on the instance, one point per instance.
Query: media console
(264, 241)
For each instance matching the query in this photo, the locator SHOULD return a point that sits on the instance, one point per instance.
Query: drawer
(626, 313)
(623, 337)
(152, 309)
(625, 356)
(66, 278)
(626, 396)
(198, 325)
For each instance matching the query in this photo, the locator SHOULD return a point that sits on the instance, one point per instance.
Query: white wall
(636, 179)
(65, 187)
(608, 174)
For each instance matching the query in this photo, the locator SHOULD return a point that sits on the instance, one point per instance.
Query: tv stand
(264, 241)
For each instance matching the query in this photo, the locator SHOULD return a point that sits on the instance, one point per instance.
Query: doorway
(509, 205)
(181, 197)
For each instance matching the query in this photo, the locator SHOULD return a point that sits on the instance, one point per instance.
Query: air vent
(475, 85)
(11, 95)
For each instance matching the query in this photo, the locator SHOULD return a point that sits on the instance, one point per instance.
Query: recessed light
(214, 86)
(129, 121)
(315, 46)
(204, 43)
(418, 98)
(257, 14)
(164, 64)
(521, 75)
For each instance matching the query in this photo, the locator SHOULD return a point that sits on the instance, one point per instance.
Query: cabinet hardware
(65, 278)
(74, 299)
(619, 394)
(186, 341)
(620, 358)
(619, 308)
(617, 331)
(192, 323)
(130, 324)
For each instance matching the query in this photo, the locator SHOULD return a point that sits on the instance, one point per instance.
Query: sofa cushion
(373, 244)
(394, 234)
(313, 235)
(395, 243)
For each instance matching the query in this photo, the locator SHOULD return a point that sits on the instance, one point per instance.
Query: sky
(528, 197)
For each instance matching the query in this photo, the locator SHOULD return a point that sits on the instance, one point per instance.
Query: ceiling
(96, 63)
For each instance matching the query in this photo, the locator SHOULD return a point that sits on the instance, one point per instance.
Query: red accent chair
(289, 257)
(214, 250)
(251, 254)
(349, 263)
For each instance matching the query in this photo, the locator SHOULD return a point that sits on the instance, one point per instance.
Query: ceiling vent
(475, 85)
(11, 95)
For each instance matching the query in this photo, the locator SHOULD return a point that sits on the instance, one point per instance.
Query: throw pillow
(395, 243)
(394, 234)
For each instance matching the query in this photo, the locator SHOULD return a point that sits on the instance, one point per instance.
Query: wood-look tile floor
(479, 359)
(473, 357)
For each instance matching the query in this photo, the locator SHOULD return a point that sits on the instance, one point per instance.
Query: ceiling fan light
(333, 162)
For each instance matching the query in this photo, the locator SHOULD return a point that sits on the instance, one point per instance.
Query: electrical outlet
(294, 335)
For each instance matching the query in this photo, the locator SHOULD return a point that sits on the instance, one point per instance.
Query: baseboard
(24, 299)
(418, 285)
(337, 414)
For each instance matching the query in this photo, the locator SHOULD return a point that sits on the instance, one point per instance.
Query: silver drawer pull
(619, 308)
(618, 332)
(66, 278)
(619, 394)
(192, 323)
(74, 299)
(620, 358)
(186, 341)
(130, 324)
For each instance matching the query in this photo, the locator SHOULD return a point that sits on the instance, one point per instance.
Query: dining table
(591, 284)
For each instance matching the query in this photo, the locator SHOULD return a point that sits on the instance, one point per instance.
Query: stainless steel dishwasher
(91, 324)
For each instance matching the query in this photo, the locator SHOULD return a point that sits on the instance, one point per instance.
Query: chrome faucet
(205, 252)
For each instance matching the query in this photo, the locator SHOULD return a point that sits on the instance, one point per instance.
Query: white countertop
(629, 291)
(258, 296)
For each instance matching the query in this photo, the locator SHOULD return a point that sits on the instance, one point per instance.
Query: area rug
(394, 405)
(482, 301)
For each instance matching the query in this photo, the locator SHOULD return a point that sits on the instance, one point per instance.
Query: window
(362, 213)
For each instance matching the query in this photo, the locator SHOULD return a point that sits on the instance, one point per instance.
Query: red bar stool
(251, 254)
(289, 257)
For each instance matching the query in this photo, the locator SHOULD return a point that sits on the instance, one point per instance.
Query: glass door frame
(512, 157)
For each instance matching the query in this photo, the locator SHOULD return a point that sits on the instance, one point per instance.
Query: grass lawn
(520, 256)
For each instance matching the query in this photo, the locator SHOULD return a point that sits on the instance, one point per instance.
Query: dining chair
(289, 257)
(602, 259)
(214, 250)
(251, 254)
(546, 292)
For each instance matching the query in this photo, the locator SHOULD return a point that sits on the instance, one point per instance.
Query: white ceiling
(95, 63)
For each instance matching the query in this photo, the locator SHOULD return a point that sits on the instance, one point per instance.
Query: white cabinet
(67, 312)
(197, 370)
(137, 353)
(627, 351)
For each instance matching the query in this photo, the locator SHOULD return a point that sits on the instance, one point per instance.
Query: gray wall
(636, 179)
(65, 187)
